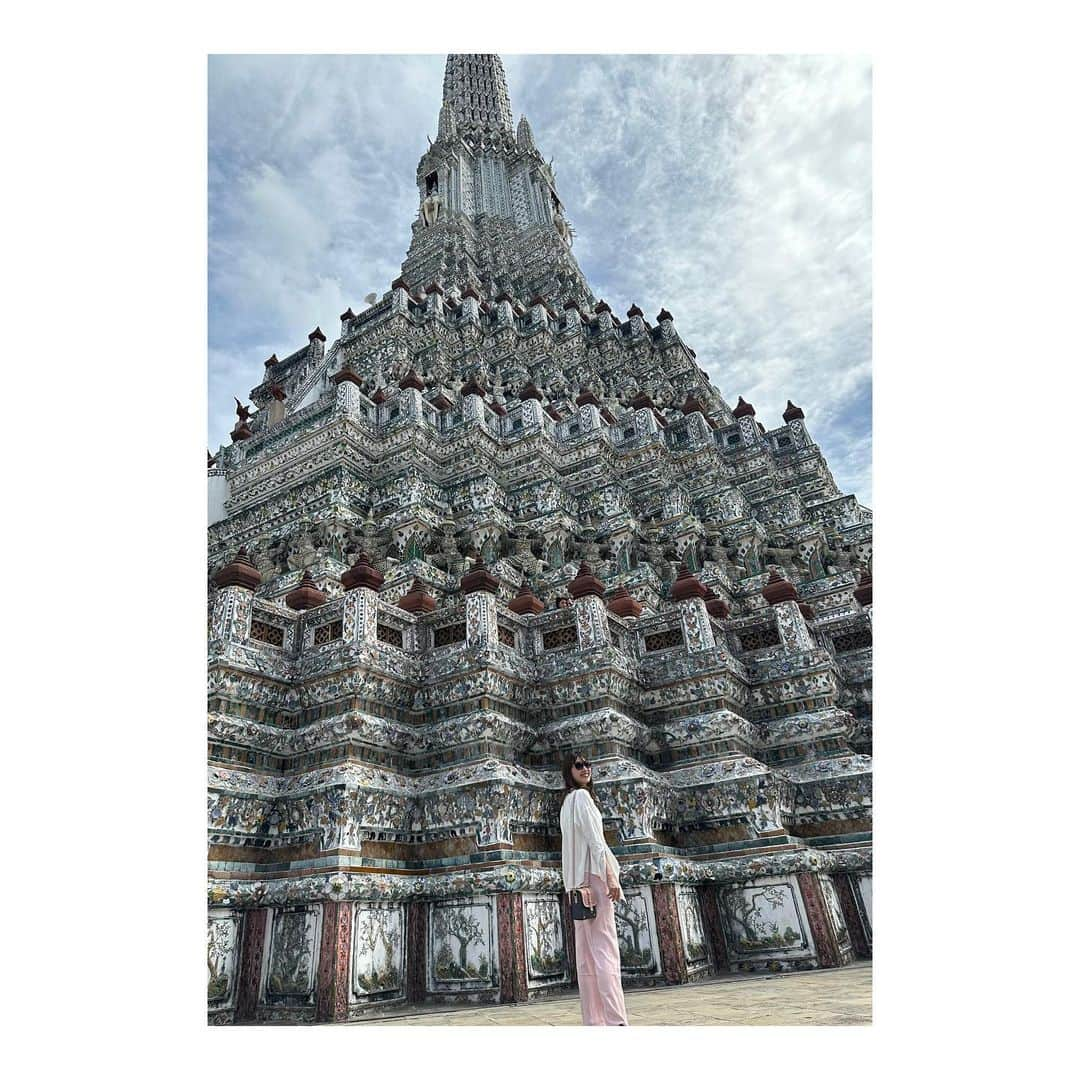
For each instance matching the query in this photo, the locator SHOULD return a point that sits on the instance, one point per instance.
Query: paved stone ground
(828, 996)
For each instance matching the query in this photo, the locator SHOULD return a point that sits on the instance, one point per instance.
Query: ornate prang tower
(490, 523)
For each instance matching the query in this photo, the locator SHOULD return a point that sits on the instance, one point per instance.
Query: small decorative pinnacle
(602, 306)
(479, 579)
(686, 585)
(399, 283)
(526, 602)
(412, 380)
(621, 603)
(362, 575)
(241, 571)
(472, 387)
(272, 361)
(378, 397)
(306, 595)
(665, 314)
(531, 392)
(435, 287)
(316, 335)
(470, 293)
(635, 310)
(793, 412)
(691, 404)
(777, 590)
(587, 397)
(585, 584)
(641, 400)
(417, 599)
(744, 408)
(864, 591)
(348, 315)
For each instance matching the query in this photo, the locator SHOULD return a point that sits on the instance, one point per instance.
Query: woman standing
(588, 865)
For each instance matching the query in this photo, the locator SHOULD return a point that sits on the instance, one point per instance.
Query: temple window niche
(431, 183)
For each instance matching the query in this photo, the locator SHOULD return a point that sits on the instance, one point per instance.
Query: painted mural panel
(378, 961)
(764, 919)
(222, 949)
(693, 926)
(635, 926)
(291, 957)
(462, 945)
(864, 893)
(545, 947)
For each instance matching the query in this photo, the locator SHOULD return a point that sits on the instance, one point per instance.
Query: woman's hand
(614, 892)
(586, 896)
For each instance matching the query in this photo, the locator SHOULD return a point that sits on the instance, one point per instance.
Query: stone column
(230, 616)
(513, 977)
(861, 937)
(672, 953)
(251, 956)
(332, 993)
(589, 611)
(714, 927)
(416, 934)
(472, 408)
(792, 628)
(825, 943)
(532, 415)
(697, 628)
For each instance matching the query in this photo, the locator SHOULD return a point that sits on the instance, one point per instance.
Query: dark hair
(568, 777)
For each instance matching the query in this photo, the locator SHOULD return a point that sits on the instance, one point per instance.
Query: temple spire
(474, 88)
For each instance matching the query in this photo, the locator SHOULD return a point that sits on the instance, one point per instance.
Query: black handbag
(578, 910)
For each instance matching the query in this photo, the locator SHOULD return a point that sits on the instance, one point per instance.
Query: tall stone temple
(490, 523)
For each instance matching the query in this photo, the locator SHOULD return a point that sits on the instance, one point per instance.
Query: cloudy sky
(732, 190)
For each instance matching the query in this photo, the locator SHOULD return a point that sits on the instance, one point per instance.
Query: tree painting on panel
(221, 937)
(546, 954)
(378, 942)
(290, 961)
(631, 925)
(457, 928)
(748, 914)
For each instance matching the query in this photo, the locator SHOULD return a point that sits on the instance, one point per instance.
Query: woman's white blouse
(584, 849)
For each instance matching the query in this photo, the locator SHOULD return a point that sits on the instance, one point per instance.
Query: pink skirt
(598, 970)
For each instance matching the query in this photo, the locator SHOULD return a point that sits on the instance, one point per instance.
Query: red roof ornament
(470, 293)
(641, 400)
(472, 387)
(864, 591)
(479, 579)
(531, 393)
(348, 314)
(571, 305)
(496, 408)
(272, 361)
(346, 374)
(621, 603)
(807, 611)
(241, 571)
(716, 606)
(399, 283)
(316, 335)
(691, 404)
(435, 287)
(411, 379)
(777, 590)
(378, 397)
(417, 599)
(664, 314)
(362, 575)
(634, 310)
(306, 595)
(742, 409)
(277, 392)
(585, 584)
(793, 412)
(602, 306)
(587, 397)
(686, 586)
(526, 602)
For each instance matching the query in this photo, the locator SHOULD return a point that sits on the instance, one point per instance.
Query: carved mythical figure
(243, 413)
(431, 208)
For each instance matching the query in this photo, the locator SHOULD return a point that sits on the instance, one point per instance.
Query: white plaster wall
(217, 490)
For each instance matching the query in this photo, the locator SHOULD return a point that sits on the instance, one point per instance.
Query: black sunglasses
(582, 765)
